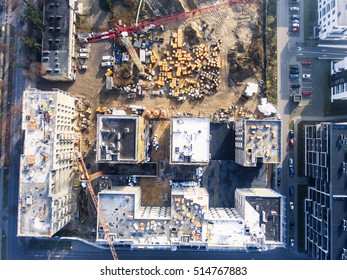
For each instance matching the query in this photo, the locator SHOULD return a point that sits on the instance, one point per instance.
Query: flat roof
(338, 188)
(117, 138)
(267, 203)
(39, 190)
(57, 37)
(260, 140)
(190, 140)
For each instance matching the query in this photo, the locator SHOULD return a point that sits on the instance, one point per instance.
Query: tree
(31, 44)
(33, 16)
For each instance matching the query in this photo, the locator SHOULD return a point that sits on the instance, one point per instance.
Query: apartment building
(338, 80)
(58, 40)
(326, 203)
(332, 19)
(46, 165)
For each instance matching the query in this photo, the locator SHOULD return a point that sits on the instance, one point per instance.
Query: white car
(84, 50)
(279, 117)
(291, 204)
(295, 24)
(291, 242)
(306, 76)
(294, 9)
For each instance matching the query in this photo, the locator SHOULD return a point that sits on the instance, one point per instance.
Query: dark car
(291, 190)
(294, 67)
(291, 171)
(291, 133)
(295, 86)
(294, 71)
(294, 17)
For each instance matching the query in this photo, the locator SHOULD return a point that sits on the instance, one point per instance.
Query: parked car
(291, 190)
(291, 133)
(107, 58)
(294, 71)
(83, 55)
(292, 242)
(291, 204)
(291, 224)
(306, 93)
(295, 21)
(83, 67)
(291, 142)
(84, 50)
(291, 171)
(293, 76)
(294, 17)
(294, 67)
(306, 62)
(106, 63)
(291, 162)
(294, 1)
(295, 29)
(306, 76)
(279, 117)
(294, 9)
(295, 86)
(296, 25)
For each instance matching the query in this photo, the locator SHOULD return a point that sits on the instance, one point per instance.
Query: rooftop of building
(262, 141)
(267, 203)
(56, 37)
(117, 138)
(338, 72)
(341, 12)
(188, 220)
(190, 140)
(36, 163)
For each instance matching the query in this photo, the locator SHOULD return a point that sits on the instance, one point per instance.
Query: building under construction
(190, 222)
(46, 165)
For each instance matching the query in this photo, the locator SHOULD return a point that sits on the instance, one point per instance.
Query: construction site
(156, 103)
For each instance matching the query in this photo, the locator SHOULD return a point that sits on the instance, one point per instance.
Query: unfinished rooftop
(58, 39)
(190, 140)
(44, 204)
(257, 140)
(120, 139)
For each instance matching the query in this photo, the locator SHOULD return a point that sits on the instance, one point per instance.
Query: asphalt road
(19, 82)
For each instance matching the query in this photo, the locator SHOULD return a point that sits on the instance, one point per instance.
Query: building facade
(338, 80)
(326, 202)
(46, 165)
(332, 19)
(58, 41)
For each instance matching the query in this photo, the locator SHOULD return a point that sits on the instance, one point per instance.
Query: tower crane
(87, 179)
(119, 31)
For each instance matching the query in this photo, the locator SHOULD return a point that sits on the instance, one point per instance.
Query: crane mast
(84, 170)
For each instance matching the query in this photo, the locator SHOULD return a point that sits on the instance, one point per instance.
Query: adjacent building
(46, 165)
(326, 204)
(58, 41)
(338, 80)
(256, 222)
(257, 140)
(190, 140)
(121, 139)
(332, 19)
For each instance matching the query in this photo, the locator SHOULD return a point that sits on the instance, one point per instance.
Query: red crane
(163, 21)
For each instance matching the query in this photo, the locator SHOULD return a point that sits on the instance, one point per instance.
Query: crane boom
(84, 170)
(163, 21)
(131, 50)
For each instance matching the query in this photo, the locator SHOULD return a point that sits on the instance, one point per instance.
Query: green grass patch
(310, 18)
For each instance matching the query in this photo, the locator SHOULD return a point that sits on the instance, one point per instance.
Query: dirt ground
(232, 25)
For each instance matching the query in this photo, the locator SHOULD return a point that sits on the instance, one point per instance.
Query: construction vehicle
(87, 180)
(123, 32)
